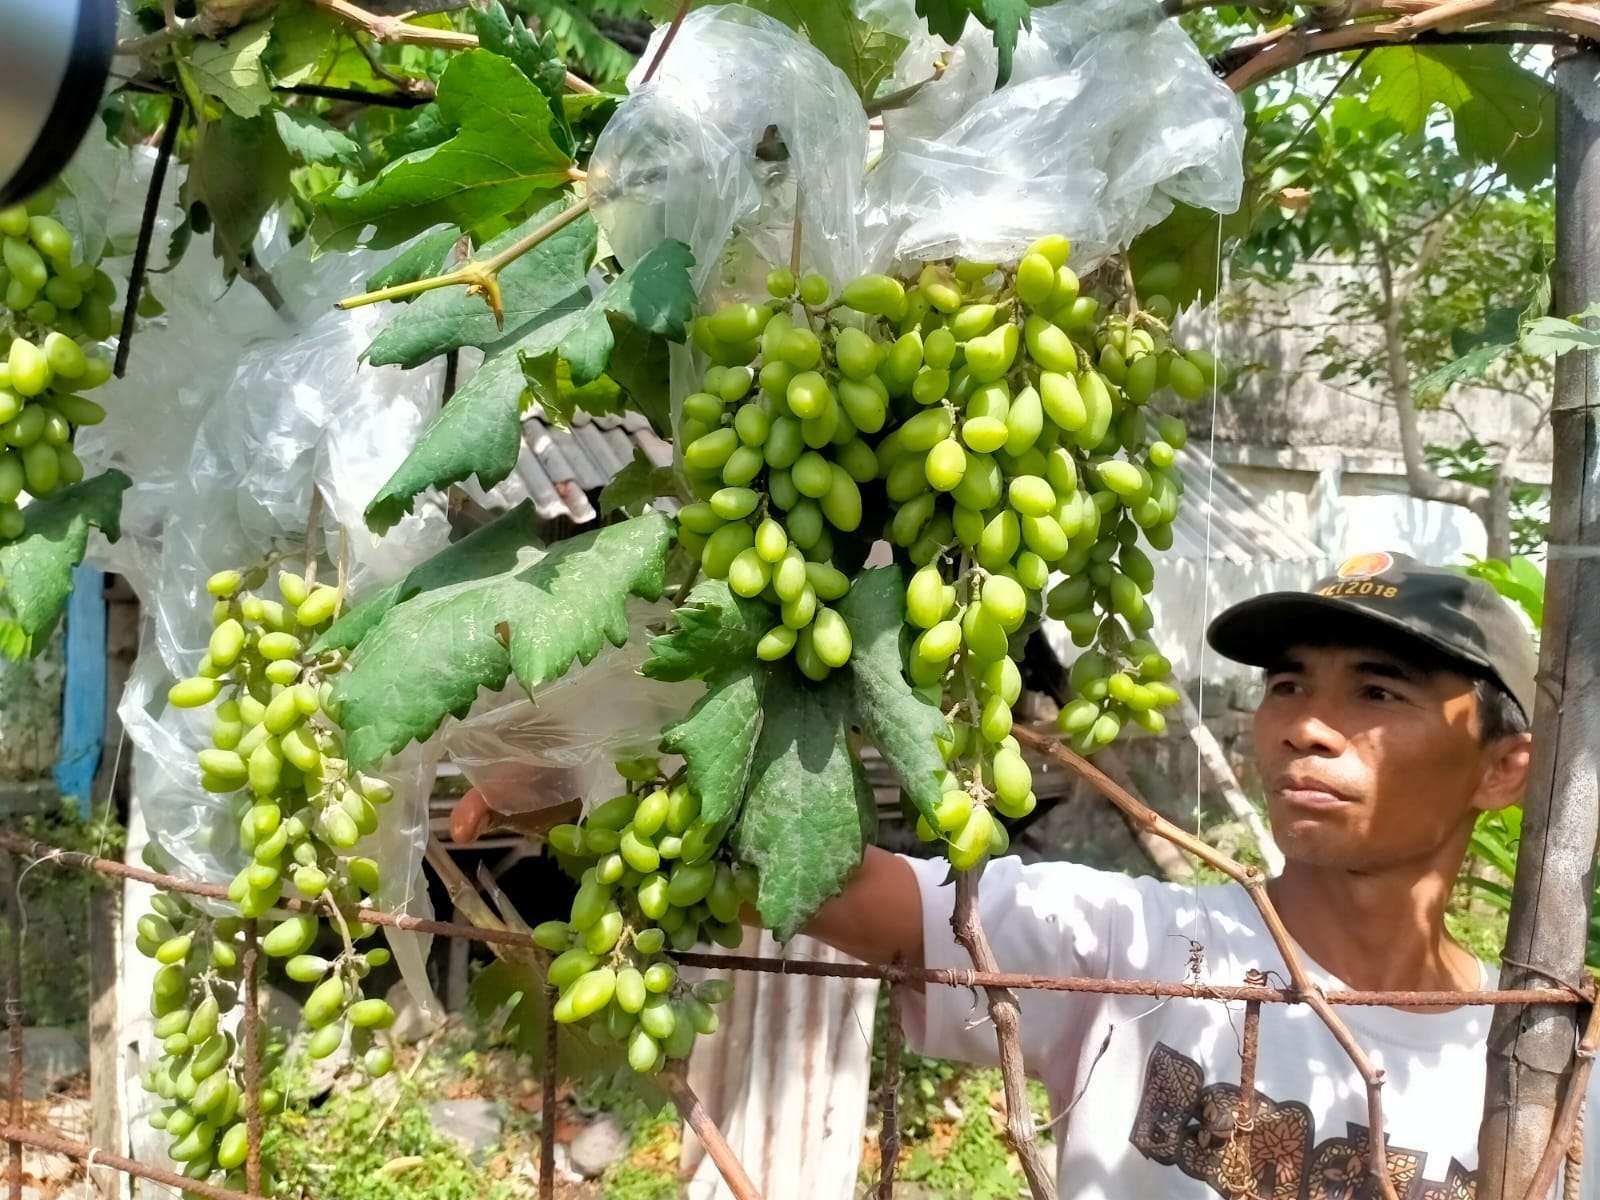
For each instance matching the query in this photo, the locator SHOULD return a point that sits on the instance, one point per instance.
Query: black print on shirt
(1187, 1123)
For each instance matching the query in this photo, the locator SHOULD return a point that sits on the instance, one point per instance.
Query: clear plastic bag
(527, 754)
(1110, 116)
(230, 416)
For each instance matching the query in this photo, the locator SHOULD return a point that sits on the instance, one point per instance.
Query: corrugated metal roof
(1238, 529)
(563, 472)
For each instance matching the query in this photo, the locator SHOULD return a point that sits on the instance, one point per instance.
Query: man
(1396, 709)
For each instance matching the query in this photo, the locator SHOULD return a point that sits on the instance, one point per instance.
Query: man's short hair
(1499, 714)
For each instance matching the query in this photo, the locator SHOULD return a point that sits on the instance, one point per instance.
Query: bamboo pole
(1532, 1050)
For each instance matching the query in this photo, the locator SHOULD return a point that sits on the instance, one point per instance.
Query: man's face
(1369, 762)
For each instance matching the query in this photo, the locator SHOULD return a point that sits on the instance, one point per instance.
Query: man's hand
(877, 918)
(472, 817)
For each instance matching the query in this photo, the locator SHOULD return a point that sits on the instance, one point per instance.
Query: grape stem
(479, 278)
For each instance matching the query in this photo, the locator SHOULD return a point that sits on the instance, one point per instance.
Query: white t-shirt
(1151, 1119)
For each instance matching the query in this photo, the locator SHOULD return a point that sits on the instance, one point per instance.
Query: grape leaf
(640, 366)
(536, 59)
(428, 255)
(638, 483)
(299, 38)
(1504, 113)
(718, 738)
(427, 128)
(900, 722)
(541, 288)
(239, 169)
(489, 550)
(655, 295)
(1189, 237)
(1003, 19)
(230, 69)
(310, 139)
(478, 433)
(503, 154)
(36, 568)
(532, 619)
(711, 628)
(809, 813)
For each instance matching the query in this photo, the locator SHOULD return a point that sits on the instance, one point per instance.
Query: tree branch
(1007, 1017)
(475, 276)
(1424, 483)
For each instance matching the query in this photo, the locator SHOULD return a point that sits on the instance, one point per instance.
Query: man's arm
(878, 916)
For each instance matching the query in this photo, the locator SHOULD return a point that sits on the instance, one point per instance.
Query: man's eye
(1374, 692)
(1282, 687)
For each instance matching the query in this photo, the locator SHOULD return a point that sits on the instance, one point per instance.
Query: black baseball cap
(1455, 615)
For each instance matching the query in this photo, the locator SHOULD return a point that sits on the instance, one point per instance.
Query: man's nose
(1307, 730)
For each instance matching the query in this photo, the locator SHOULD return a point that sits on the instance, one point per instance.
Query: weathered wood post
(1531, 1049)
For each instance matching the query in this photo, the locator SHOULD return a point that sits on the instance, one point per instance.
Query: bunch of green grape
(199, 1074)
(50, 304)
(651, 878)
(1008, 421)
(277, 754)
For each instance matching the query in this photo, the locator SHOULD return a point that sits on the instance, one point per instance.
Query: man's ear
(1505, 772)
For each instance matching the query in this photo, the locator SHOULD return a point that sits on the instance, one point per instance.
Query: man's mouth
(1300, 792)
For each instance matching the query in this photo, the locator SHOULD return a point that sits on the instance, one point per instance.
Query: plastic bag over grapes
(226, 443)
(1110, 116)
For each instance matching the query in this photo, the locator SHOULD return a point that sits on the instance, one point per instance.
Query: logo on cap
(1365, 566)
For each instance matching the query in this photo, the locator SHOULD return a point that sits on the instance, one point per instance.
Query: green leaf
(809, 813)
(14, 640)
(428, 255)
(428, 127)
(638, 483)
(718, 738)
(536, 59)
(310, 139)
(639, 364)
(1003, 18)
(230, 69)
(239, 169)
(36, 568)
(1474, 364)
(712, 627)
(900, 722)
(478, 433)
(654, 295)
(503, 154)
(542, 287)
(299, 39)
(1556, 336)
(1189, 237)
(490, 550)
(532, 620)
(1504, 113)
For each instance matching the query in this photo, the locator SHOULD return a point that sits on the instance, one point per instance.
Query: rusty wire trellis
(1254, 992)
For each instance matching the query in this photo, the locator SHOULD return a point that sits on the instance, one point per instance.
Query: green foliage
(503, 154)
(1520, 581)
(56, 905)
(542, 286)
(901, 723)
(1473, 462)
(1504, 113)
(533, 619)
(36, 568)
(974, 1161)
(1004, 18)
(809, 813)
(338, 1149)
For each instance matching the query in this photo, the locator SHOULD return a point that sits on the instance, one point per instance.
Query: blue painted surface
(83, 703)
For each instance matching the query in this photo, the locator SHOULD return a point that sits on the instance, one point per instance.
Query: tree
(1433, 255)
